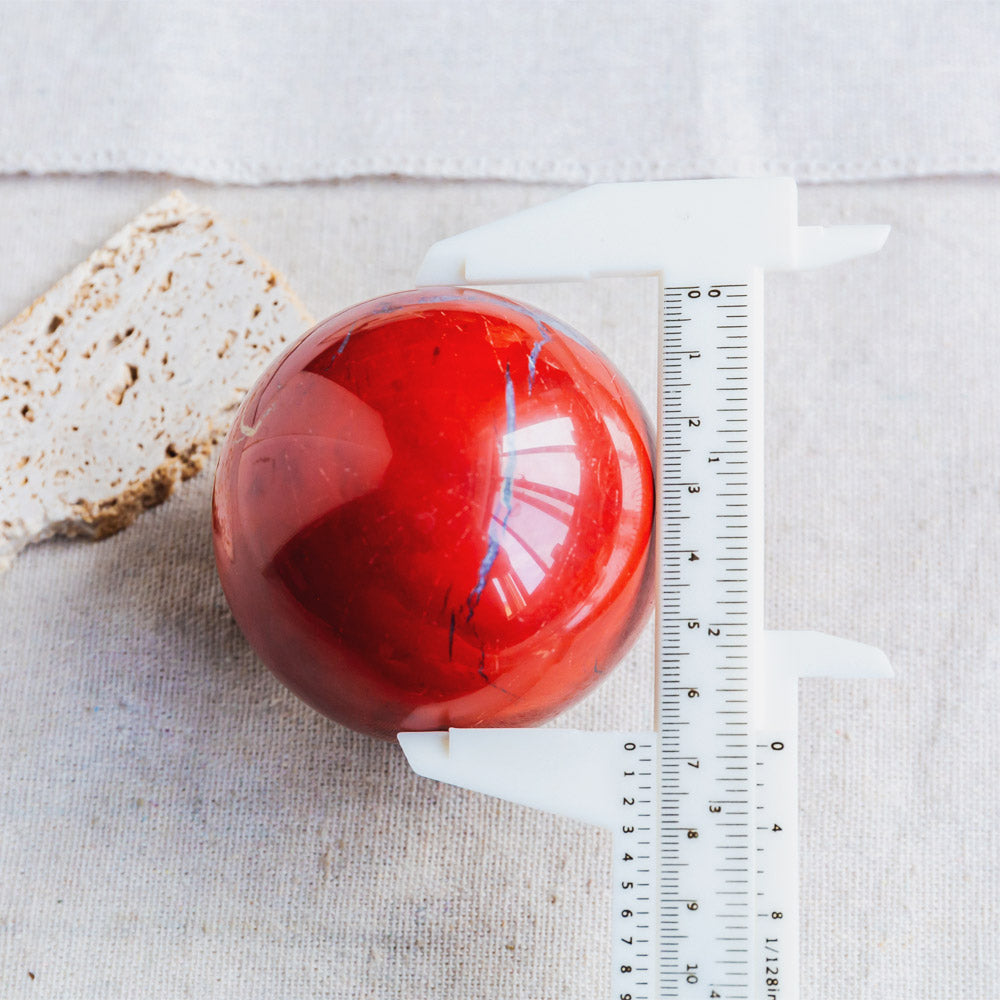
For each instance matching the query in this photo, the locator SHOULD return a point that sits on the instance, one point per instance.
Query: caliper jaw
(573, 773)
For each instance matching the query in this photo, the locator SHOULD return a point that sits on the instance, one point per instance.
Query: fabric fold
(256, 93)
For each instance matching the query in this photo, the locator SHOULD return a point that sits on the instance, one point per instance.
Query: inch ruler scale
(703, 809)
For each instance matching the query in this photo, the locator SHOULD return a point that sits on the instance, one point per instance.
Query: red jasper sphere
(436, 510)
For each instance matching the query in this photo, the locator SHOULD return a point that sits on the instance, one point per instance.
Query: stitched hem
(234, 171)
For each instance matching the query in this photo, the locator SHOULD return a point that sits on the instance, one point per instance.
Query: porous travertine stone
(120, 380)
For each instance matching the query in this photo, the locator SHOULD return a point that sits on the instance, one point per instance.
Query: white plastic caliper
(704, 808)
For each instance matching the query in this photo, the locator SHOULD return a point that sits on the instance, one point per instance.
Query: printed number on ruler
(705, 727)
(632, 951)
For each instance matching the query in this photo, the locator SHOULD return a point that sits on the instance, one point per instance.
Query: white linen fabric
(173, 823)
(521, 90)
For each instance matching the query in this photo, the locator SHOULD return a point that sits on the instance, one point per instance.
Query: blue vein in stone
(543, 319)
(535, 351)
(496, 535)
(343, 343)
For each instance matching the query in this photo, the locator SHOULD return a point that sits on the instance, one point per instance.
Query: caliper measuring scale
(703, 809)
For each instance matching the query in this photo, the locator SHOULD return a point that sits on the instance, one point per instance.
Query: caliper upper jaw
(647, 228)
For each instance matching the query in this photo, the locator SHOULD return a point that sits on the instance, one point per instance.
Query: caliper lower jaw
(573, 773)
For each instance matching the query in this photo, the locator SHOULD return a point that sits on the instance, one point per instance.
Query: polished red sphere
(436, 510)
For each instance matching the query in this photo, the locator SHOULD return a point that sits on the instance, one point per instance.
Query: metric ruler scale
(703, 810)
(709, 624)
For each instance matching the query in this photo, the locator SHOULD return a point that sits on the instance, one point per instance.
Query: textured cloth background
(517, 89)
(174, 824)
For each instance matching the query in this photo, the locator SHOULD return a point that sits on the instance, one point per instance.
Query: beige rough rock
(120, 380)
